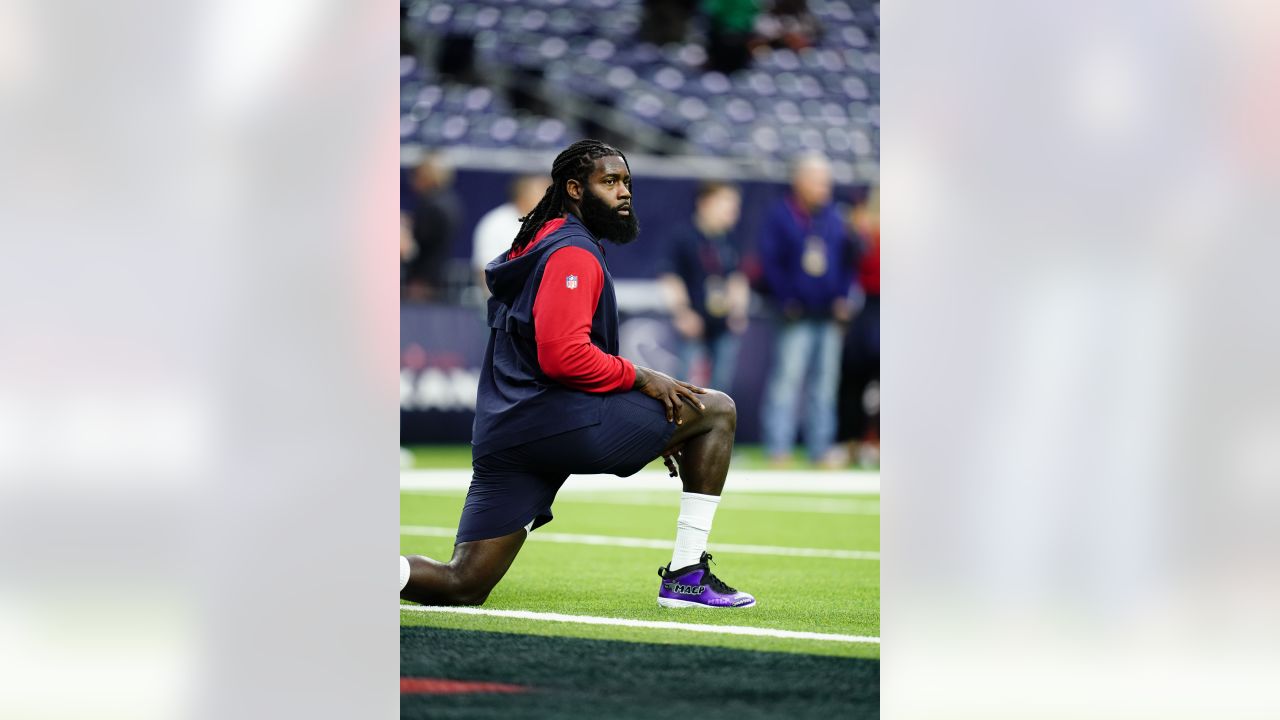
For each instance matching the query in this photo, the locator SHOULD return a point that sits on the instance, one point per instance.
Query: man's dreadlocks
(575, 162)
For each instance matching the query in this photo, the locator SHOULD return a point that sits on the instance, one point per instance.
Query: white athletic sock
(693, 527)
(404, 572)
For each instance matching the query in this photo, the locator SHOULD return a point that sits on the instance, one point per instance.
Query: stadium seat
(824, 97)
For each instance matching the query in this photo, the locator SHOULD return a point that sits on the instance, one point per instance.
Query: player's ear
(574, 188)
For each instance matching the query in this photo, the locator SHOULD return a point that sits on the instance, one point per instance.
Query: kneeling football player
(555, 398)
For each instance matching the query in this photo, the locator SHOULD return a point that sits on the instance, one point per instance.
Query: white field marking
(647, 544)
(736, 501)
(819, 482)
(733, 501)
(652, 624)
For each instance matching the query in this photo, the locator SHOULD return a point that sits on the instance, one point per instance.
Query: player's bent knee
(722, 408)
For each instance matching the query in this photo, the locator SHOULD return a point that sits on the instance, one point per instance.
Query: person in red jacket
(859, 400)
(555, 398)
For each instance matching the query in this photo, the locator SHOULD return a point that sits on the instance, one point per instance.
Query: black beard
(604, 222)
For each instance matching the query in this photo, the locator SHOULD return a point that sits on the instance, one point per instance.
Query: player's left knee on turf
(473, 599)
(472, 590)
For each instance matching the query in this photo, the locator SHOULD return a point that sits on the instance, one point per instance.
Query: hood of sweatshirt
(507, 276)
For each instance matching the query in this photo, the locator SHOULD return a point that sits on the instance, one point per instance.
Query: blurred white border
(198, 484)
(1078, 213)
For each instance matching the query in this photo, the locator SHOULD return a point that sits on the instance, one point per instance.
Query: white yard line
(646, 543)
(824, 483)
(651, 624)
(734, 501)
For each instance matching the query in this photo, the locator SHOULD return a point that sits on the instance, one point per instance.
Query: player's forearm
(583, 366)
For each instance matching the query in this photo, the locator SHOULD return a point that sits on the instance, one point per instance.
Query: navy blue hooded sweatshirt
(516, 401)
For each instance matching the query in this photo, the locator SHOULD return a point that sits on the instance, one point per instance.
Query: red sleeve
(562, 312)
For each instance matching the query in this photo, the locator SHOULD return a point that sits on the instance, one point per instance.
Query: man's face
(606, 202)
(812, 185)
(719, 210)
(529, 191)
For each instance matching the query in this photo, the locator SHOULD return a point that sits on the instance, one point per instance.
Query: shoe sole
(673, 603)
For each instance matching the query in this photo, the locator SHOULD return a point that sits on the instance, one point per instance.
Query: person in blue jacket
(807, 258)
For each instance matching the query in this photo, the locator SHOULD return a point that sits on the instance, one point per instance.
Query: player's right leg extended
(468, 577)
(507, 498)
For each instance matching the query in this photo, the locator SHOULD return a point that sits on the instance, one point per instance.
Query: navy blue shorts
(512, 487)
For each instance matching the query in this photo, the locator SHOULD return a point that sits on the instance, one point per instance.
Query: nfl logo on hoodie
(571, 282)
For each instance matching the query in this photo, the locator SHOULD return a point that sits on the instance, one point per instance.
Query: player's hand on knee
(672, 393)
(687, 394)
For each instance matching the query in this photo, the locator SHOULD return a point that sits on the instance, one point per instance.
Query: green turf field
(574, 566)
(746, 457)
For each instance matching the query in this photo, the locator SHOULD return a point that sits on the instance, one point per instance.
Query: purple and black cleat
(695, 586)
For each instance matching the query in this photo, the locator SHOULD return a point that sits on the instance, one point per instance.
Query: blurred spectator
(729, 28)
(434, 219)
(408, 249)
(408, 47)
(499, 226)
(859, 403)
(456, 58)
(665, 21)
(705, 287)
(807, 260)
(788, 24)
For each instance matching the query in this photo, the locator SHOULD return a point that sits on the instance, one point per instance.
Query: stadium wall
(442, 346)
